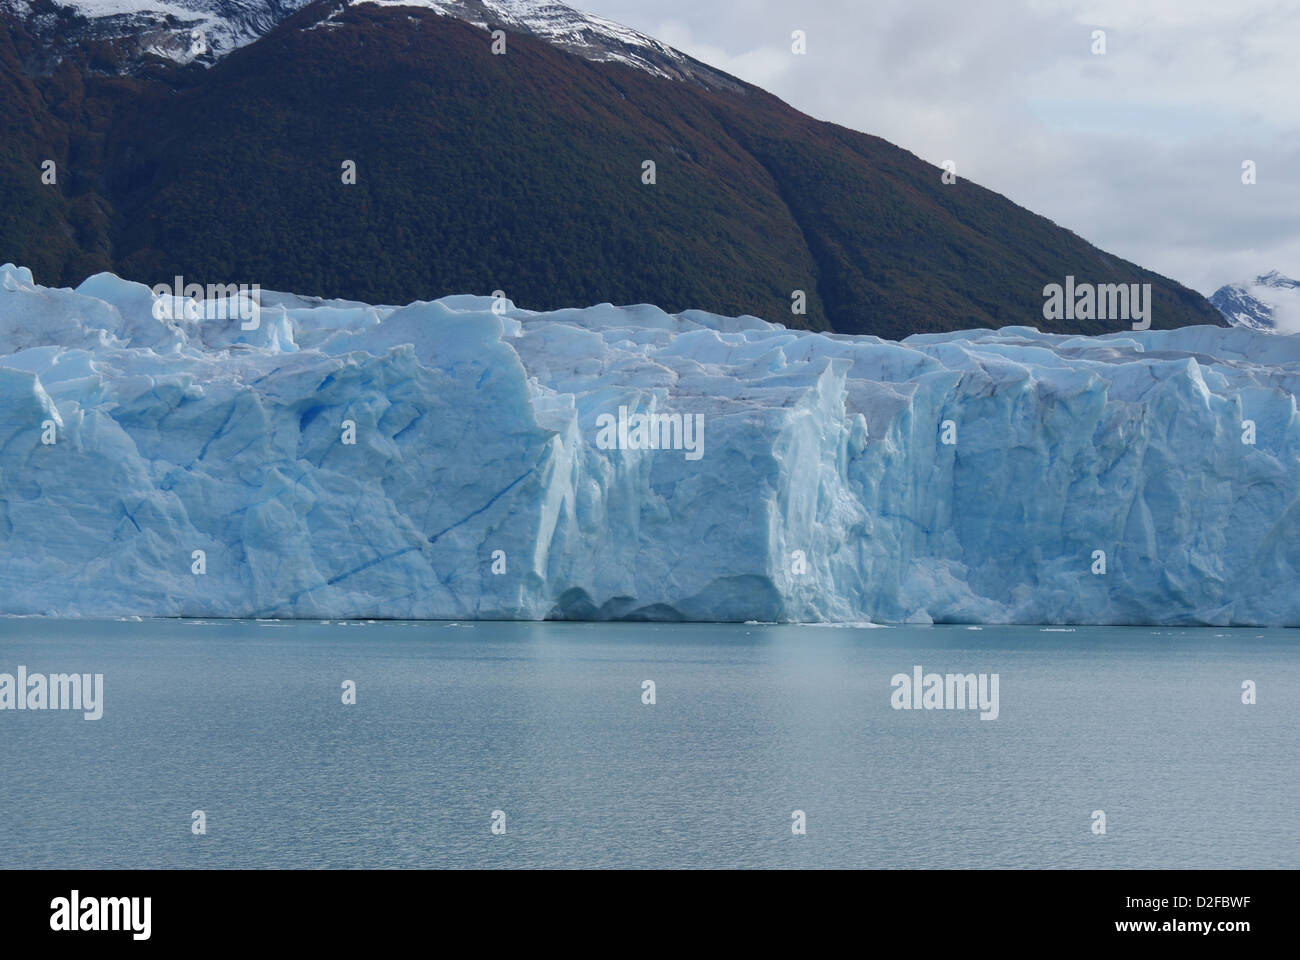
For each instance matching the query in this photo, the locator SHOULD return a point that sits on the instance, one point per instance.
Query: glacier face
(485, 479)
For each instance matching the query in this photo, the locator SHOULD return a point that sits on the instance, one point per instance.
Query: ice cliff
(467, 459)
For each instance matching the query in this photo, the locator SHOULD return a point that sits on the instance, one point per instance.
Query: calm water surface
(245, 721)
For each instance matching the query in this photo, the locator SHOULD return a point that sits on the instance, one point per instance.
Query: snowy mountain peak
(203, 31)
(586, 35)
(1276, 279)
(1270, 302)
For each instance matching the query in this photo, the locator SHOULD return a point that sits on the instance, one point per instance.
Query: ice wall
(969, 477)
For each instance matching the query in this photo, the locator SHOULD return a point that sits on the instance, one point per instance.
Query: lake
(546, 724)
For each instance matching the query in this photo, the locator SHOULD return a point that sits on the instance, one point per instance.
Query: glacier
(445, 460)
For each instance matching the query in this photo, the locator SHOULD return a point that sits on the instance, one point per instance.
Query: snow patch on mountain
(203, 31)
(498, 468)
(183, 31)
(586, 35)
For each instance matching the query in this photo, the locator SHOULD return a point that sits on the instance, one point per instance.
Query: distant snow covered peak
(1270, 302)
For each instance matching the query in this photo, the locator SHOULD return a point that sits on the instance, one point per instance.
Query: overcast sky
(1139, 150)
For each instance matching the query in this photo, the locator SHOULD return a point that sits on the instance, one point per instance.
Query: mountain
(466, 459)
(477, 172)
(1270, 302)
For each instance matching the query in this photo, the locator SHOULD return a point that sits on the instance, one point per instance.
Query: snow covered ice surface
(822, 491)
